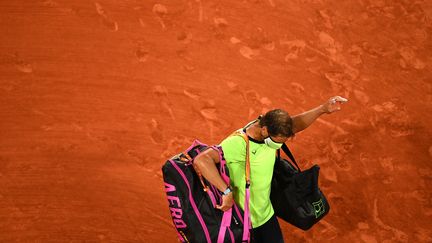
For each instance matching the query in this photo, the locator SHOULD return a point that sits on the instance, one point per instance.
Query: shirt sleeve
(234, 149)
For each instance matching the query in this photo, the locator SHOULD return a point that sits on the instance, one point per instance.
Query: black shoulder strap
(250, 123)
(289, 154)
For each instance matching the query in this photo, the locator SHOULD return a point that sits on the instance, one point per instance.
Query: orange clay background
(95, 96)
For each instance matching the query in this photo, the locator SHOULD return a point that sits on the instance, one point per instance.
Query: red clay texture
(96, 95)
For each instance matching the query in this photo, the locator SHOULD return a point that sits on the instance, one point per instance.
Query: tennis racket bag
(295, 195)
(192, 200)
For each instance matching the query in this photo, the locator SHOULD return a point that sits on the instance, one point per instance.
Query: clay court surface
(95, 96)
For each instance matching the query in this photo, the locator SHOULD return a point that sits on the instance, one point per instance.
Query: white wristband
(227, 191)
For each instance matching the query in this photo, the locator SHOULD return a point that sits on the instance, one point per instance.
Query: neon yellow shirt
(262, 159)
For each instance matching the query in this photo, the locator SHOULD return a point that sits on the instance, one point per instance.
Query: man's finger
(341, 99)
(223, 208)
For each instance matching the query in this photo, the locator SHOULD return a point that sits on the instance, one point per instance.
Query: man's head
(276, 124)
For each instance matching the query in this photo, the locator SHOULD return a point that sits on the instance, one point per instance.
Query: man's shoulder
(233, 140)
(234, 148)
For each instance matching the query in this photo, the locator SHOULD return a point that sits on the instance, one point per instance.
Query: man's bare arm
(305, 119)
(206, 164)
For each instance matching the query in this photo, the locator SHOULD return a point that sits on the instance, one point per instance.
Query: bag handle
(289, 154)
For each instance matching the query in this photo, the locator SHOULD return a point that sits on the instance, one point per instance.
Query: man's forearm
(305, 119)
(205, 163)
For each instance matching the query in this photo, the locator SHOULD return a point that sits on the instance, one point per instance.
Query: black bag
(295, 195)
(192, 200)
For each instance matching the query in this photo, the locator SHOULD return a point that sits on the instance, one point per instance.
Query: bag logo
(175, 207)
(319, 208)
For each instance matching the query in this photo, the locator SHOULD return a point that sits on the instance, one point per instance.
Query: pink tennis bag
(192, 201)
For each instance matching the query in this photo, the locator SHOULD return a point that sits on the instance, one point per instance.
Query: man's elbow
(202, 160)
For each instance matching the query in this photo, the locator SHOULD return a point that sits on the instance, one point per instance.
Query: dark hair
(278, 123)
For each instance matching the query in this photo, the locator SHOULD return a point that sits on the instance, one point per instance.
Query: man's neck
(254, 131)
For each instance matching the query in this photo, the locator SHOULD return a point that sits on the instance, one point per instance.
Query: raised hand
(334, 104)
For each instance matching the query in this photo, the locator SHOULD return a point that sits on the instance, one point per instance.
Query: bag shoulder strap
(247, 224)
(242, 132)
(247, 162)
(289, 154)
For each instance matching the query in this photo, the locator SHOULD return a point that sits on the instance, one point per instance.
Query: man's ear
(264, 132)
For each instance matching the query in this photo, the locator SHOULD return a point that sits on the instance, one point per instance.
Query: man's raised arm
(305, 119)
